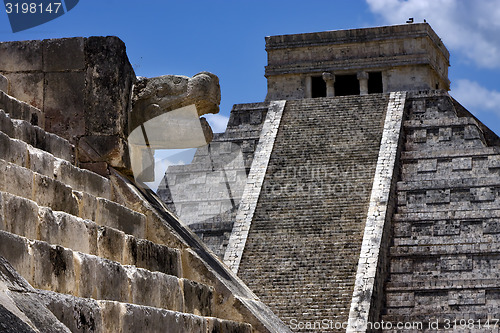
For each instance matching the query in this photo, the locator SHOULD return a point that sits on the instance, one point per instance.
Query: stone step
(25, 218)
(48, 192)
(89, 315)
(44, 163)
(20, 110)
(59, 269)
(36, 137)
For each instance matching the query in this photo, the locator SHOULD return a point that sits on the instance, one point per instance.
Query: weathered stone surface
(16, 180)
(15, 250)
(27, 87)
(128, 318)
(80, 315)
(119, 217)
(53, 268)
(64, 107)
(64, 54)
(21, 56)
(157, 290)
(82, 180)
(4, 83)
(198, 298)
(154, 257)
(54, 194)
(21, 308)
(20, 216)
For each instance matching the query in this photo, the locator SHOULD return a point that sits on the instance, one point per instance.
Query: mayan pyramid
(371, 194)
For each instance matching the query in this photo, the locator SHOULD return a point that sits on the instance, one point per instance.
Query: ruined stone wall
(444, 254)
(303, 246)
(82, 86)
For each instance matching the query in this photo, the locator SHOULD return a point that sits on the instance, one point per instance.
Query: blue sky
(227, 38)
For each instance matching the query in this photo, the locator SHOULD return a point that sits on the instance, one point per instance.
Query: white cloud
(470, 28)
(476, 97)
(218, 122)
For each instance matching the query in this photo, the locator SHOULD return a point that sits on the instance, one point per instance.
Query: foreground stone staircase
(101, 257)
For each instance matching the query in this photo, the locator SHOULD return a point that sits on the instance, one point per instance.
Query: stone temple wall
(444, 253)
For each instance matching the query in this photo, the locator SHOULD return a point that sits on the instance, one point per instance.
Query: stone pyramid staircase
(103, 258)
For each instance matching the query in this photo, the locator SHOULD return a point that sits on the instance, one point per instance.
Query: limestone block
(438, 196)
(6, 126)
(218, 325)
(103, 148)
(471, 132)
(53, 268)
(80, 315)
(21, 216)
(4, 83)
(116, 216)
(445, 133)
(109, 78)
(21, 56)
(64, 104)
(111, 244)
(100, 278)
(16, 180)
(494, 161)
(155, 289)
(26, 87)
(82, 180)
(16, 251)
(427, 165)
(12, 150)
(400, 300)
(41, 162)
(483, 194)
(456, 263)
(159, 232)
(491, 226)
(198, 298)
(54, 194)
(466, 297)
(128, 318)
(63, 54)
(87, 205)
(420, 135)
(154, 257)
(462, 163)
(67, 230)
(60, 147)
(401, 265)
(446, 228)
